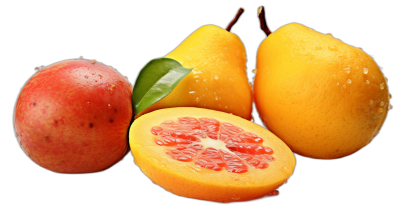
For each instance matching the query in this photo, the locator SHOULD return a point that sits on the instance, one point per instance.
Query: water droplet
(318, 47)
(380, 110)
(332, 48)
(254, 71)
(235, 197)
(275, 192)
(86, 77)
(226, 106)
(205, 80)
(329, 35)
(216, 77)
(367, 81)
(81, 57)
(389, 96)
(347, 70)
(344, 87)
(337, 83)
(334, 75)
(197, 99)
(382, 103)
(37, 68)
(390, 107)
(365, 70)
(386, 79)
(191, 92)
(371, 102)
(110, 67)
(382, 86)
(87, 102)
(236, 179)
(111, 89)
(349, 81)
(216, 98)
(109, 106)
(196, 76)
(196, 71)
(94, 62)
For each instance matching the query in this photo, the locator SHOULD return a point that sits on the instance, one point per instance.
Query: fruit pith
(185, 151)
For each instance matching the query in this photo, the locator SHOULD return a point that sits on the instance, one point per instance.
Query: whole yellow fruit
(325, 99)
(218, 80)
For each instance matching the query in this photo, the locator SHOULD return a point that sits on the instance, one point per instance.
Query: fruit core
(212, 144)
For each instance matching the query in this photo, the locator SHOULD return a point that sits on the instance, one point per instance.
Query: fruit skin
(298, 97)
(73, 116)
(218, 79)
(188, 180)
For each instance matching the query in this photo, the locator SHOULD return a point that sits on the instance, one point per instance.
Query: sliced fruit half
(209, 155)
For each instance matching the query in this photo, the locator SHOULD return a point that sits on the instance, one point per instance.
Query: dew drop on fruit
(380, 110)
(332, 48)
(347, 70)
(344, 87)
(337, 83)
(255, 71)
(216, 98)
(390, 107)
(94, 62)
(371, 102)
(349, 81)
(367, 81)
(382, 86)
(235, 197)
(273, 193)
(389, 96)
(386, 79)
(191, 92)
(81, 57)
(196, 76)
(365, 70)
(111, 89)
(329, 35)
(382, 103)
(216, 77)
(109, 106)
(197, 99)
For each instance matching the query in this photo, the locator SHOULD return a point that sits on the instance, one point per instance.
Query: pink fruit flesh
(73, 116)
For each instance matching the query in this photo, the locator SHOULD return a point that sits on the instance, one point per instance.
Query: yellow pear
(324, 98)
(218, 80)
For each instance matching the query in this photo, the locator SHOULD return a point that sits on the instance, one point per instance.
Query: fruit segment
(242, 149)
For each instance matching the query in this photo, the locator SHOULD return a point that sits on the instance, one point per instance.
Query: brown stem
(263, 22)
(239, 13)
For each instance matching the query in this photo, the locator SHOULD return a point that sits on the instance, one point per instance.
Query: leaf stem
(263, 22)
(239, 13)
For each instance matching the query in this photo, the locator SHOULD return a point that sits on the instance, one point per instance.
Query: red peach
(73, 116)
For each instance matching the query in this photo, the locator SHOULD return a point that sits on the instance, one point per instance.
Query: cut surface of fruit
(213, 145)
(209, 155)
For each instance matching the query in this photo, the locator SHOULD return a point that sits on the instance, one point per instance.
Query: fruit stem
(239, 13)
(263, 22)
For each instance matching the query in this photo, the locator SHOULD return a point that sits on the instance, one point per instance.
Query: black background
(126, 36)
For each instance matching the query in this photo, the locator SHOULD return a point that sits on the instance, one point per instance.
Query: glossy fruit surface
(209, 155)
(218, 80)
(322, 97)
(73, 116)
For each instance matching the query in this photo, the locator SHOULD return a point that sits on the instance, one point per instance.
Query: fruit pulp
(199, 140)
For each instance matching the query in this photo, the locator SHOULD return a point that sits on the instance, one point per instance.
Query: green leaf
(155, 81)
